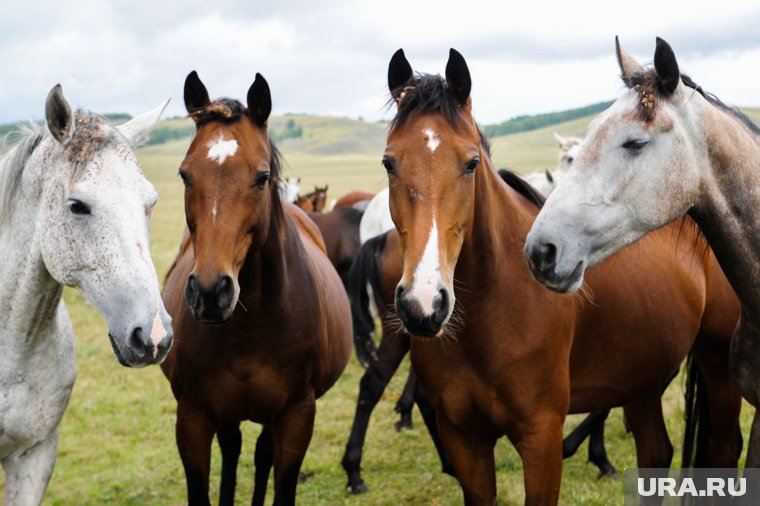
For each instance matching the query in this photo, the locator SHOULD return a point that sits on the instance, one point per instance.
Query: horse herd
(260, 309)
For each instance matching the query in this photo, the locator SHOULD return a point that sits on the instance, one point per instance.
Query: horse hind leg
(230, 442)
(27, 473)
(592, 427)
(371, 387)
(406, 403)
(263, 459)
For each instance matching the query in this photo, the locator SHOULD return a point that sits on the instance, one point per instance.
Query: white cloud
(331, 57)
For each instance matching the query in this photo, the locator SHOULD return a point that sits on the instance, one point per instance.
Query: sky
(331, 57)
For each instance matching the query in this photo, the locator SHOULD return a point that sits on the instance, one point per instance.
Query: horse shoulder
(307, 229)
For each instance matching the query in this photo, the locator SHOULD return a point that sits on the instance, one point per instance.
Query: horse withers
(74, 210)
(262, 321)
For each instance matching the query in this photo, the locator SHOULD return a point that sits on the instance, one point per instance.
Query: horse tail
(364, 272)
(697, 431)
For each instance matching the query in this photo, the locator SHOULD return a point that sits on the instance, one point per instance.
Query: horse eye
(472, 165)
(389, 167)
(262, 179)
(634, 145)
(570, 159)
(78, 207)
(185, 177)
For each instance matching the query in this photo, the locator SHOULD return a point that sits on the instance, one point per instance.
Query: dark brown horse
(313, 202)
(340, 231)
(261, 320)
(501, 355)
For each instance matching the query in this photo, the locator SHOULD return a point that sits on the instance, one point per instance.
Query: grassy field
(117, 437)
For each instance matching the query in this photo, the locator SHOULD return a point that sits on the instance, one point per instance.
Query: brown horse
(256, 270)
(340, 231)
(353, 198)
(499, 354)
(313, 202)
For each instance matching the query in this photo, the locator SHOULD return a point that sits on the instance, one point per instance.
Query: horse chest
(34, 395)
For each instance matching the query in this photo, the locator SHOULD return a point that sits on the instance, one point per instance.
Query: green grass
(117, 436)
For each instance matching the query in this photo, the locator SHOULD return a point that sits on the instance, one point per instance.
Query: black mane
(687, 81)
(427, 93)
(522, 187)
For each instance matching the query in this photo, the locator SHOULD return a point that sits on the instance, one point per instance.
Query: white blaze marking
(220, 149)
(157, 333)
(427, 275)
(432, 139)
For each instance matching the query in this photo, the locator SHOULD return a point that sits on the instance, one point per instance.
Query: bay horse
(357, 198)
(74, 210)
(664, 149)
(261, 319)
(376, 271)
(497, 354)
(313, 202)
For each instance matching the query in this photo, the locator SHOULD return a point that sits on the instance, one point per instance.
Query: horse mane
(522, 187)
(647, 86)
(429, 93)
(229, 110)
(12, 166)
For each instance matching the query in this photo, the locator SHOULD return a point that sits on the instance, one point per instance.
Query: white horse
(74, 210)
(290, 188)
(665, 148)
(377, 217)
(545, 182)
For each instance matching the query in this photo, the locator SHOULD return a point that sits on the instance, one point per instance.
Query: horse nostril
(441, 306)
(192, 291)
(224, 292)
(138, 339)
(543, 258)
(400, 291)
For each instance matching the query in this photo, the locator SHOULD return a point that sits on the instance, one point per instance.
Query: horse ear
(196, 96)
(399, 72)
(137, 130)
(60, 120)
(458, 76)
(628, 65)
(259, 100)
(560, 140)
(666, 67)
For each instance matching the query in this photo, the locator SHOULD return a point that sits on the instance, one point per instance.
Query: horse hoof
(402, 424)
(359, 488)
(303, 476)
(610, 474)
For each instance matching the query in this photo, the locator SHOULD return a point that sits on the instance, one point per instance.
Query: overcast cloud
(331, 57)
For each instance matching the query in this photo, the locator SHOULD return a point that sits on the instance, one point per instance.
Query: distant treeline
(525, 123)
(292, 130)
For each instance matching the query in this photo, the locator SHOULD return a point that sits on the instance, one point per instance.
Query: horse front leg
(291, 437)
(194, 436)
(27, 472)
(230, 442)
(539, 443)
(471, 454)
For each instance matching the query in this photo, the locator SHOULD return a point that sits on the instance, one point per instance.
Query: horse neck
(729, 202)
(500, 222)
(265, 274)
(30, 295)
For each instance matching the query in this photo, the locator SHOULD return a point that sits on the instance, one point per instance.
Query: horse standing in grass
(357, 198)
(74, 210)
(496, 353)
(261, 319)
(665, 148)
